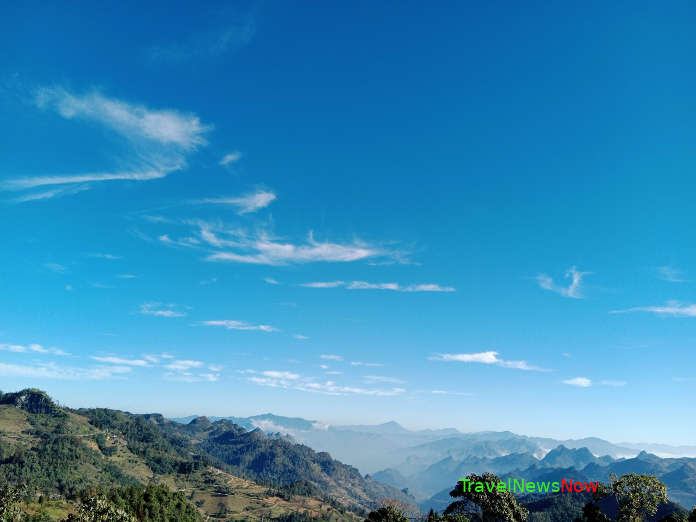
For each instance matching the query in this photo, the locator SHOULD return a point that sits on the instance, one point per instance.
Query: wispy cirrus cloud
(266, 251)
(282, 375)
(235, 245)
(239, 325)
(446, 392)
(50, 194)
(179, 370)
(55, 267)
(672, 308)
(109, 366)
(580, 382)
(332, 388)
(488, 357)
(191, 371)
(274, 378)
(372, 379)
(367, 364)
(121, 361)
(135, 122)
(671, 274)
(573, 290)
(584, 382)
(245, 204)
(324, 284)
(31, 348)
(184, 365)
(331, 357)
(158, 140)
(192, 377)
(364, 285)
(291, 380)
(161, 310)
(58, 372)
(231, 158)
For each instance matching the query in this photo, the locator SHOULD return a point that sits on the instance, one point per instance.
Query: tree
(433, 516)
(638, 496)
(10, 498)
(387, 514)
(99, 509)
(592, 513)
(493, 503)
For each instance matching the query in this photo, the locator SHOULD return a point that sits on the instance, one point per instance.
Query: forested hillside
(56, 453)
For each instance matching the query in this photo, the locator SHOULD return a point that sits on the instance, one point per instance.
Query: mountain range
(235, 469)
(427, 462)
(58, 453)
(389, 445)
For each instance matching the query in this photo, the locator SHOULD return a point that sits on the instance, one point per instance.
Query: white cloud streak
(159, 140)
(183, 365)
(672, 308)
(445, 392)
(372, 379)
(324, 284)
(290, 380)
(245, 204)
(580, 382)
(31, 348)
(136, 122)
(230, 158)
(573, 290)
(489, 357)
(260, 247)
(364, 285)
(53, 371)
(160, 310)
(120, 361)
(239, 325)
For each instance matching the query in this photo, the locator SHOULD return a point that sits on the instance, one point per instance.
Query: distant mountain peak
(644, 455)
(391, 423)
(201, 422)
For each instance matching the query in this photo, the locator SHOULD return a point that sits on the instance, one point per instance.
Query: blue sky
(478, 216)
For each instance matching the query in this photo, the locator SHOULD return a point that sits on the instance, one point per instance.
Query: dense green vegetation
(146, 504)
(32, 401)
(163, 453)
(154, 503)
(103, 460)
(57, 462)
